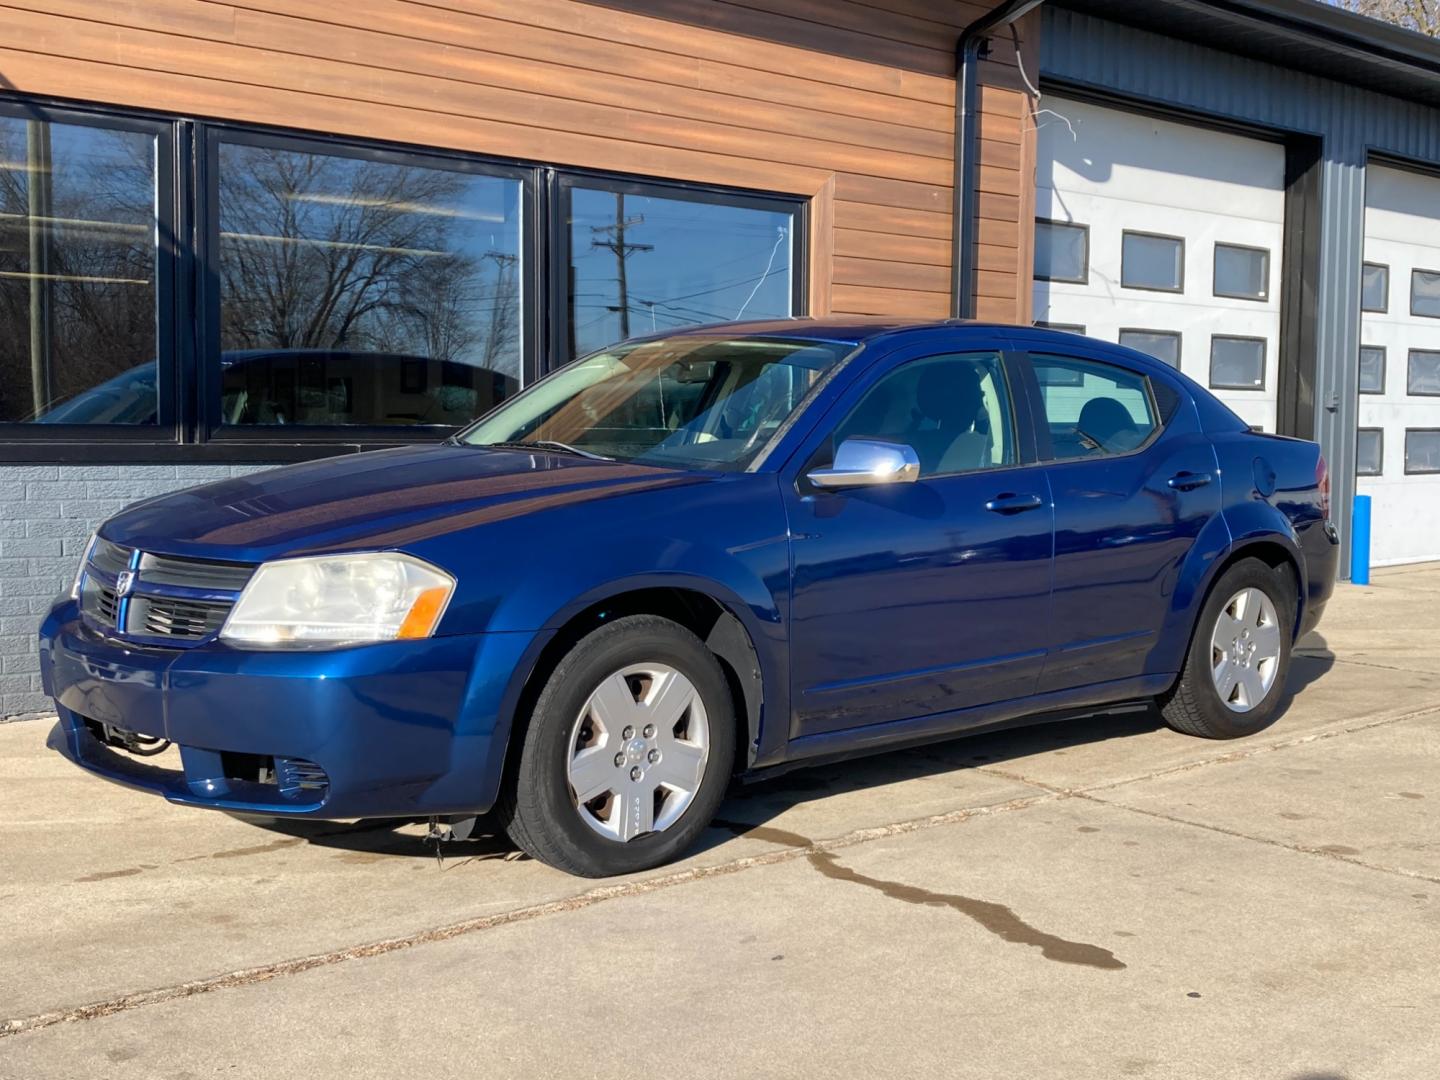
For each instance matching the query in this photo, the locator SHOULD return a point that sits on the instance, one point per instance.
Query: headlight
(80, 570)
(339, 600)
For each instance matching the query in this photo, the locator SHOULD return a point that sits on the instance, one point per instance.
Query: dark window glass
(1242, 272)
(1369, 452)
(1375, 287)
(77, 274)
(1163, 345)
(1422, 450)
(1093, 409)
(1425, 293)
(1237, 363)
(643, 263)
(1372, 369)
(356, 291)
(1062, 251)
(1068, 328)
(953, 411)
(1423, 374)
(1152, 262)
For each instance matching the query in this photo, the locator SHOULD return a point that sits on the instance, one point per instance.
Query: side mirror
(866, 462)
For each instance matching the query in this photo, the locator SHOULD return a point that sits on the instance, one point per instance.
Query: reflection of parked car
(728, 550)
(312, 387)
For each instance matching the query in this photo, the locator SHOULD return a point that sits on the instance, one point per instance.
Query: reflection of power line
(614, 240)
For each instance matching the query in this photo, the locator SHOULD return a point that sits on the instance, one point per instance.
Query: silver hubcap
(638, 751)
(1245, 650)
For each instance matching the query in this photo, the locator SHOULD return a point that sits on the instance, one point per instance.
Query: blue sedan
(690, 557)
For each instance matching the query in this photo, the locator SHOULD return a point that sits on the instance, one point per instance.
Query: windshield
(690, 401)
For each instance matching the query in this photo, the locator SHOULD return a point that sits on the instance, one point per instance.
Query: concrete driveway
(1103, 898)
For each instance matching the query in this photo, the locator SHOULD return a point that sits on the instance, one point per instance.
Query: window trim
(1409, 357)
(1380, 310)
(1084, 278)
(1378, 431)
(1180, 288)
(561, 184)
(1041, 423)
(1176, 334)
(1384, 369)
(1263, 298)
(1264, 363)
(1423, 431)
(169, 276)
(1420, 270)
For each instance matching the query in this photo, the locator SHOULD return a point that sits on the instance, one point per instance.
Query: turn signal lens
(425, 613)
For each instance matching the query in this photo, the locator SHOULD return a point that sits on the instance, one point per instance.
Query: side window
(1094, 409)
(953, 411)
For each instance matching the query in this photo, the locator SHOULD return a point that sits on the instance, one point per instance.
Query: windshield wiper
(552, 445)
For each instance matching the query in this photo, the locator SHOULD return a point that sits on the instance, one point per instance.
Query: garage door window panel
(1237, 363)
(1422, 376)
(1068, 328)
(1375, 287)
(1062, 252)
(1241, 272)
(1369, 452)
(1152, 262)
(954, 411)
(1425, 293)
(1093, 409)
(1422, 450)
(1163, 345)
(1372, 369)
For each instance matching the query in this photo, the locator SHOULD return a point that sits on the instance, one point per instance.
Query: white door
(1398, 444)
(1165, 237)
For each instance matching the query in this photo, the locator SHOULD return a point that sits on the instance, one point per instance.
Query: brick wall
(47, 512)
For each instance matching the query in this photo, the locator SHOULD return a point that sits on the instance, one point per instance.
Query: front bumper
(407, 728)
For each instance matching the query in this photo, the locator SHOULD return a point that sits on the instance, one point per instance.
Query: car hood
(383, 499)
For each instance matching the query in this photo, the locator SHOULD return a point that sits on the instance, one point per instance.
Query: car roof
(845, 329)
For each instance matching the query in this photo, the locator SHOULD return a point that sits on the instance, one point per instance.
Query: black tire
(536, 806)
(1193, 705)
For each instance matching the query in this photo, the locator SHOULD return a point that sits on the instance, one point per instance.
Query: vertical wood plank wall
(847, 103)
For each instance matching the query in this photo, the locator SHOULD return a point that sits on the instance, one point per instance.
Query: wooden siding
(847, 103)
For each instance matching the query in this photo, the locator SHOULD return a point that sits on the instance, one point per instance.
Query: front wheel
(1234, 675)
(628, 751)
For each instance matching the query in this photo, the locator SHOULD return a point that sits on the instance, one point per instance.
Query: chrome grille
(111, 558)
(193, 573)
(164, 616)
(99, 602)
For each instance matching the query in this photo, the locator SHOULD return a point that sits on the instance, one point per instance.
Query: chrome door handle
(1014, 504)
(1189, 481)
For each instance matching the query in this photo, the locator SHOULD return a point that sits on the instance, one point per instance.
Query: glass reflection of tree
(77, 261)
(325, 252)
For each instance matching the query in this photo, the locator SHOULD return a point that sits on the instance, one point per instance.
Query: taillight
(1322, 481)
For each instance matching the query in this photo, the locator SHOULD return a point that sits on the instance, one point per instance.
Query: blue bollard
(1360, 541)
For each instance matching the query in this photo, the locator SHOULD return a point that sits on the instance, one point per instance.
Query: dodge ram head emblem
(124, 582)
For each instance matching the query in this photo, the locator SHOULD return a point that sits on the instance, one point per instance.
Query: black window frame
(1380, 266)
(1176, 334)
(1420, 314)
(560, 350)
(36, 441)
(1409, 359)
(1176, 290)
(1384, 369)
(1365, 431)
(1264, 297)
(1084, 278)
(187, 328)
(1418, 431)
(1264, 363)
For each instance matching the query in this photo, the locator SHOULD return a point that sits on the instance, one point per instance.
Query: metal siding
(1353, 123)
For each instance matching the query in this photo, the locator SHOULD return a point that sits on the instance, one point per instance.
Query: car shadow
(749, 805)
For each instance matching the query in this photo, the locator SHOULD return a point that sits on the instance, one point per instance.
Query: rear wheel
(1234, 674)
(628, 751)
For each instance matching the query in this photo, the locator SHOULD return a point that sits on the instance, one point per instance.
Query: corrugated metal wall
(1352, 123)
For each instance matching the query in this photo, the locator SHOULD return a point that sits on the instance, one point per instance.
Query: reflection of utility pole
(38, 186)
(617, 244)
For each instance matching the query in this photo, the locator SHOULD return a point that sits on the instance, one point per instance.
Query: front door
(912, 599)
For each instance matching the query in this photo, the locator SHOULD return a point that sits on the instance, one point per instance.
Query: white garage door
(1165, 237)
(1398, 444)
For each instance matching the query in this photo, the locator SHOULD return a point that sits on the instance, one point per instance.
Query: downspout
(962, 229)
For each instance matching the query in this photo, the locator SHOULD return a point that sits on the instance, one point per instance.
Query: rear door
(1134, 481)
